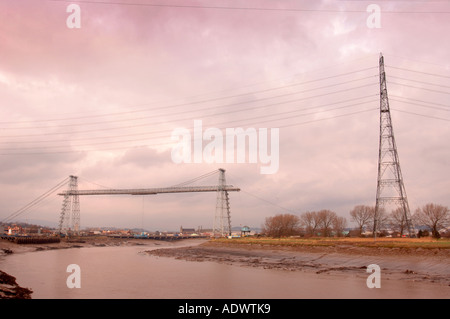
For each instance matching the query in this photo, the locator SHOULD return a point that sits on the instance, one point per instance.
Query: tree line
(327, 223)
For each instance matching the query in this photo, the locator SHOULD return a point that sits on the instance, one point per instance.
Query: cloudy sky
(101, 101)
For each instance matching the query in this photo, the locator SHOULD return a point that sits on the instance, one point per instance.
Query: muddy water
(128, 272)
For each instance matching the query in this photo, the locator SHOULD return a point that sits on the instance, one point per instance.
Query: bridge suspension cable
(36, 201)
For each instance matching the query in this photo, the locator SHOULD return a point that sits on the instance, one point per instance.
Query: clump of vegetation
(325, 223)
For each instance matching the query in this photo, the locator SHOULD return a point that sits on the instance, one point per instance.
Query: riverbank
(400, 259)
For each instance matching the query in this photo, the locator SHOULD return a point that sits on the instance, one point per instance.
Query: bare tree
(381, 218)
(311, 222)
(339, 223)
(326, 218)
(362, 215)
(434, 216)
(397, 220)
(281, 225)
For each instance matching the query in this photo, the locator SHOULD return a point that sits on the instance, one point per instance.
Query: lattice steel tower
(222, 220)
(391, 191)
(69, 221)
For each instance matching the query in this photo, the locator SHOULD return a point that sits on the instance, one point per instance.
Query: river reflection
(127, 272)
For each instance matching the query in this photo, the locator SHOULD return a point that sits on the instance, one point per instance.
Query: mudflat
(398, 259)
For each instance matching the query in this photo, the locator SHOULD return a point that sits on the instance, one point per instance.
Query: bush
(282, 225)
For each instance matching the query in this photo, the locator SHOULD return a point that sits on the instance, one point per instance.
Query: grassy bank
(425, 243)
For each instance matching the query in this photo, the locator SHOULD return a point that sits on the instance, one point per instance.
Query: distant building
(14, 230)
(245, 231)
(205, 231)
(187, 231)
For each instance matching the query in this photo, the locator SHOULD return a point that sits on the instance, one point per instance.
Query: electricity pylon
(390, 187)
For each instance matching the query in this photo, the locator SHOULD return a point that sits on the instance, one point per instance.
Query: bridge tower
(69, 220)
(391, 191)
(222, 219)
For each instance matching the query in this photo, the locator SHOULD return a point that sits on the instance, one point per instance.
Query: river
(128, 272)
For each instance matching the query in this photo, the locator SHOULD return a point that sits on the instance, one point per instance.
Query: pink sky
(100, 102)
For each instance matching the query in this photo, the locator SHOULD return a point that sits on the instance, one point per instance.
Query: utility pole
(390, 187)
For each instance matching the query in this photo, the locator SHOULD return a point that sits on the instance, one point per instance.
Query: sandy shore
(417, 264)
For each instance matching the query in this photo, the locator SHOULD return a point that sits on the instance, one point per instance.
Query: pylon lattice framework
(390, 187)
(69, 220)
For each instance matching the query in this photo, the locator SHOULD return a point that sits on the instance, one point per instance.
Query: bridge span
(70, 212)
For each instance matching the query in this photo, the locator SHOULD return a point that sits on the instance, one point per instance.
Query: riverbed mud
(416, 264)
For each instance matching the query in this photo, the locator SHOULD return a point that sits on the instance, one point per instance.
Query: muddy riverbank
(7, 247)
(414, 264)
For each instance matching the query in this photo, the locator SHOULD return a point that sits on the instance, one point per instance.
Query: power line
(335, 65)
(245, 8)
(215, 124)
(422, 105)
(418, 87)
(166, 133)
(329, 118)
(197, 110)
(260, 198)
(422, 101)
(415, 60)
(222, 113)
(422, 82)
(422, 115)
(421, 72)
(166, 144)
(209, 100)
(269, 202)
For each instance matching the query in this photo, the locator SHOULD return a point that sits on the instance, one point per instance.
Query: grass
(425, 243)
